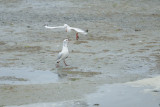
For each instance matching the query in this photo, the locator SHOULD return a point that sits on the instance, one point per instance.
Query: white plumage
(64, 53)
(68, 29)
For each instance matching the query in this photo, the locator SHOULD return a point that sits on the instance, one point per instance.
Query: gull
(64, 53)
(68, 29)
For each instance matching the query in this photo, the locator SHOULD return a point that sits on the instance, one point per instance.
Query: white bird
(64, 53)
(68, 29)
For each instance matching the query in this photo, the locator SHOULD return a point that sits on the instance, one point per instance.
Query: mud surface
(122, 45)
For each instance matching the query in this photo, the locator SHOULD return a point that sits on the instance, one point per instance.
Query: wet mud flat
(122, 46)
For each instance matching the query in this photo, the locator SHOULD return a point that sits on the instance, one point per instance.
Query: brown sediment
(23, 48)
(11, 78)
(79, 42)
(88, 74)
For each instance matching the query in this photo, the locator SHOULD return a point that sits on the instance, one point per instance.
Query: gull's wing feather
(79, 30)
(49, 27)
(59, 56)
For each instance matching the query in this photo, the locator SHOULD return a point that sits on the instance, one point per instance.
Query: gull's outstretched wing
(79, 30)
(56, 27)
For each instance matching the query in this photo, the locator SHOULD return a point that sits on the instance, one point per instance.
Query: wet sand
(122, 46)
(141, 93)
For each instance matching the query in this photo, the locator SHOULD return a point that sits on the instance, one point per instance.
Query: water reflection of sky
(26, 76)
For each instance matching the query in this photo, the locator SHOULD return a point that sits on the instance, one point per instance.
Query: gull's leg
(65, 63)
(77, 37)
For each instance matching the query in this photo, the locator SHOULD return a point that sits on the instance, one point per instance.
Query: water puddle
(106, 96)
(72, 74)
(21, 76)
(26, 76)
(124, 96)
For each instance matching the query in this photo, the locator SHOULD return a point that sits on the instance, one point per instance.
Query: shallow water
(115, 95)
(21, 76)
(122, 95)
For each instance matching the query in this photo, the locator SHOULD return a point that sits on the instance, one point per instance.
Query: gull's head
(65, 25)
(65, 42)
(66, 28)
(45, 25)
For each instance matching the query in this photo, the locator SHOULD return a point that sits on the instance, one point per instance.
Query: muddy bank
(122, 45)
(145, 92)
